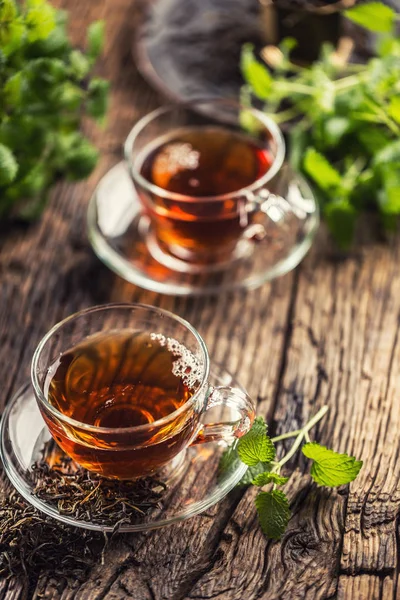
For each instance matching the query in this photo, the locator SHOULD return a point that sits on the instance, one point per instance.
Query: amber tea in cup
(122, 389)
(198, 177)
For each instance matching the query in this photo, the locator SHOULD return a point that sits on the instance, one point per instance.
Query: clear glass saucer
(196, 487)
(121, 237)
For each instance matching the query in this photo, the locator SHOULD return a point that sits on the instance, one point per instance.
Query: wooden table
(326, 334)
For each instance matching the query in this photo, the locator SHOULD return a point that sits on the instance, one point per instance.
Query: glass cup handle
(228, 431)
(274, 206)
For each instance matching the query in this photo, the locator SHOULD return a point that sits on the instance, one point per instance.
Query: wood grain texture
(327, 334)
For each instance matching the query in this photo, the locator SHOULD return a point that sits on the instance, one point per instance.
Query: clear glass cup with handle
(129, 452)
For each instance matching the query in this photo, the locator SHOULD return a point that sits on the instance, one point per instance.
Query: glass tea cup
(199, 169)
(94, 363)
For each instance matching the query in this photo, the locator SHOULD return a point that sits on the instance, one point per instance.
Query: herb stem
(303, 432)
(300, 88)
(346, 82)
(285, 115)
(285, 436)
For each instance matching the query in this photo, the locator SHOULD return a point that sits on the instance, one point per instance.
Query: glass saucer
(121, 237)
(196, 487)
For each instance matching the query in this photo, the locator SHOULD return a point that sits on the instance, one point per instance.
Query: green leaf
(34, 182)
(365, 192)
(330, 468)
(373, 138)
(8, 166)
(81, 160)
(40, 19)
(341, 219)
(80, 65)
(230, 461)
(13, 89)
(320, 170)
(55, 45)
(253, 472)
(264, 478)
(389, 154)
(97, 98)
(11, 36)
(8, 11)
(256, 75)
(389, 196)
(95, 39)
(287, 45)
(255, 446)
(68, 96)
(374, 16)
(273, 513)
(334, 130)
(389, 46)
(394, 108)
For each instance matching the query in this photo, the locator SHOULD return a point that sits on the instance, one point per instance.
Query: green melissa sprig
(343, 116)
(257, 450)
(46, 88)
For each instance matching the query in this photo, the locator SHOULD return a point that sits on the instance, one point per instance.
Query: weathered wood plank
(343, 352)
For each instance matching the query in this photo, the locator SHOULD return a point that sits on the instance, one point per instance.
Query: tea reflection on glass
(198, 177)
(122, 389)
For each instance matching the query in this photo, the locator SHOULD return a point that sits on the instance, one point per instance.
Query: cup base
(192, 478)
(178, 262)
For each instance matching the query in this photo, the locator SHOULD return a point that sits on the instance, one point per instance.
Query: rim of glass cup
(121, 430)
(267, 121)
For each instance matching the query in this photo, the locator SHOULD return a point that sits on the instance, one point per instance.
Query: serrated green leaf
(253, 472)
(8, 166)
(273, 513)
(320, 170)
(97, 98)
(255, 446)
(374, 16)
(330, 468)
(265, 478)
(230, 461)
(95, 39)
(256, 75)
